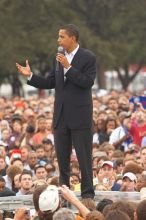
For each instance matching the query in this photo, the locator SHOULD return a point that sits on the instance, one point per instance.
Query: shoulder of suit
(87, 52)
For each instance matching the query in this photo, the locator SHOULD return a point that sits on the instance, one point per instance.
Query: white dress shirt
(69, 57)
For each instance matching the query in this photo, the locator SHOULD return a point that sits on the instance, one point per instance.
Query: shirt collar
(73, 52)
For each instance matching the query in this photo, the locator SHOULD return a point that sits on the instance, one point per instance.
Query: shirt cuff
(29, 77)
(67, 68)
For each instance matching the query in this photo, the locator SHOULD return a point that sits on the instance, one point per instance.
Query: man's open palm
(24, 70)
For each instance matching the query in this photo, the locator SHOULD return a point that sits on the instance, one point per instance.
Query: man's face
(6, 134)
(2, 163)
(64, 40)
(24, 154)
(26, 182)
(107, 171)
(32, 159)
(40, 153)
(143, 156)
(129, 185)
(41, 173)
(141, 182)
(113, 104)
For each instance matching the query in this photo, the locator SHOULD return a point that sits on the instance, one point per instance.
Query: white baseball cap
(131, 176)
(49, 199)
(109, 163)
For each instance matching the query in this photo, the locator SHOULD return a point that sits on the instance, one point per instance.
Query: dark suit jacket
(74, 94)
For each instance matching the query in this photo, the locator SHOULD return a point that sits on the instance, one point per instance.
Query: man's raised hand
(24, 70)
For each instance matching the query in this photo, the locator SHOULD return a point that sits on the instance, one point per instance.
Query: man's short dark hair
(28, 172)
(102, 204)
(37, 166)
(72, 30)
(47, 141)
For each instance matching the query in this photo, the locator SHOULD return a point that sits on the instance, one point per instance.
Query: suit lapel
(76, 59)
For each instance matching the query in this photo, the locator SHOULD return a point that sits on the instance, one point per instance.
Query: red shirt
(138, 132)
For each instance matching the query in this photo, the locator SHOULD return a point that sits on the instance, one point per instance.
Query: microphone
(60, 50)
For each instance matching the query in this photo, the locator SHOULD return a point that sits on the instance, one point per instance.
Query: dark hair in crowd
(141, 210)
(103, 203)
(116, 215)
(123, 206)
(24, 172)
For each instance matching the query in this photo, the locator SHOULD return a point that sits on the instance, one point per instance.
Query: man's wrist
(68, 68)
(29, 77)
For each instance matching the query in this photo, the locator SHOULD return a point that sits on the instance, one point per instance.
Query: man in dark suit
(72, 120)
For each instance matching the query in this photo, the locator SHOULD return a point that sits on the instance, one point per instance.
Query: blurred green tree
(114, 30)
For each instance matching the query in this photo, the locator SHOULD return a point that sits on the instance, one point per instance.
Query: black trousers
(81, 139)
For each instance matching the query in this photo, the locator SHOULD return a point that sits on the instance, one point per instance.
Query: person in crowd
(75, 182)
(123, 103)
(108, 177)
(141, 182)
(119, 166)
(109, 149)
(117, 214)
(100, 135)
(5, 136)
(134, 168)
(3, 125)
(113, 104)
(29, 116)
(123, 206)
(25, 183)
(72, 77)
(75, 167)
(31, 161)
(51, 170)
(24, 155)
(143, 157)
(46, 201)
(110, 124)
(16, 183)
(26, 139)
(120, 136)
(3, 165)
(18, 162)
(129, 182)
(23, 213)
(40, 152)
(49, 129)
(95, 215)
(59, 215)
(40, 172)
(140, 212)
(49, 148)
(11, 171)
(41, 132)
(14, 141)
(4, 191)
(136, 126)
(4, 153)
(102, 204)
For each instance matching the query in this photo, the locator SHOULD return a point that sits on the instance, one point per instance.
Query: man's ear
(135, 216)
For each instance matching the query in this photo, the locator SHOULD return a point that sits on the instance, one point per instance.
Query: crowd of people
(28, 162)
